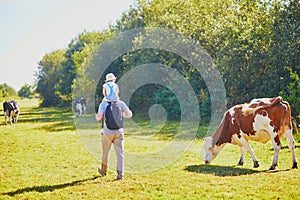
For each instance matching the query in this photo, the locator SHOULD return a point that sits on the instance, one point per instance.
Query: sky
(29, 29)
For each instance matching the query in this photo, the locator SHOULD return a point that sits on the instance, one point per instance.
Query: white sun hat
(110, 77)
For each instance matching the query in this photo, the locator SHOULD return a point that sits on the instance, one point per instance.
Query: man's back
(126, 112)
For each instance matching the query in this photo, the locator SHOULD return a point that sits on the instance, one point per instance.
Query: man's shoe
(101, 172)
(119, 177)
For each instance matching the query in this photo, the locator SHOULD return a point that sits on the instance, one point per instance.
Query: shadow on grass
(51, 119)
(48, 188)
(286, 147)
(221, 170)
(59, 126)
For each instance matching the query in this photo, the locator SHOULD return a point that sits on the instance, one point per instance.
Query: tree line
(254, 44)
(6, 91)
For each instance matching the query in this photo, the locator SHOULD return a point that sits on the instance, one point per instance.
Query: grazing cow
(79, 106)
(260, 120)
(11, 110)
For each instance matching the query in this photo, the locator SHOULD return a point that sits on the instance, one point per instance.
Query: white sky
(31, 28)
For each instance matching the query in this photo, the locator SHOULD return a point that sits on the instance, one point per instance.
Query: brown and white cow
(260, 120)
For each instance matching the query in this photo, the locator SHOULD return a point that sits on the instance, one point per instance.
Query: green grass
(43, 157)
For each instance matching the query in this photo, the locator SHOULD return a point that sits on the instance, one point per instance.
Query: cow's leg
(76, 110)
(277, 145)
(246, 145)
(80, 110)
(241, 161)
(84, 109)
(13, 118)
(5, 118)
(291, 144)
(10, 117)
(16, 117)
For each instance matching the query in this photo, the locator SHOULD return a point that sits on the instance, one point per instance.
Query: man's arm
(127, 113)
(99, 116)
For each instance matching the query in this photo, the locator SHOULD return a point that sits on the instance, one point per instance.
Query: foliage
(76, 55)
(286, 47)
(6, 91)
(254, 44)
(48, 76)
(292, 93)
(26, 91)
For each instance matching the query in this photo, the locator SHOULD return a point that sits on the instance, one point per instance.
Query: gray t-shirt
(126, 113)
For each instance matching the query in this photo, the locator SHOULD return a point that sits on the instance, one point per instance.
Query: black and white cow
(79, 106)
(11, 110)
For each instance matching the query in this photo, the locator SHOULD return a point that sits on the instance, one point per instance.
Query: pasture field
(43, 157)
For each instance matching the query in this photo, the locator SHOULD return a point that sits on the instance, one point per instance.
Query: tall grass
(42, 157)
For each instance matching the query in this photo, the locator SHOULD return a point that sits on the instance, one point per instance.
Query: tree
(254, 44)
(48, 76)
(286, 47)
(7, 91)
(25, 91)
(76, 54)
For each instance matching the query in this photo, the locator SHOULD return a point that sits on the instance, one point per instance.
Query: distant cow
(79, 106)
(260, 120)
(11, 110)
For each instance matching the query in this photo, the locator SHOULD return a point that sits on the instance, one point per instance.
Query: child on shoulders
(110, 88)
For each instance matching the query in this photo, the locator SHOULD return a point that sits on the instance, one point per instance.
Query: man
(115, 137)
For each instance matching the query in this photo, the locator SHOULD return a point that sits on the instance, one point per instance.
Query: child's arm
(104, 90)
(117, 89)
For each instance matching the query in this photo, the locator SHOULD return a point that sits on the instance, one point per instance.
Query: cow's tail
(273, 101)
(287, 124)
(287, 115)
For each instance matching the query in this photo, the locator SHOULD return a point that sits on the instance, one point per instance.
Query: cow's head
(211, 150)
(14, 112)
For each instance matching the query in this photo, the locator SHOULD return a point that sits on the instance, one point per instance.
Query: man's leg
(106, 144)
(119, 148)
